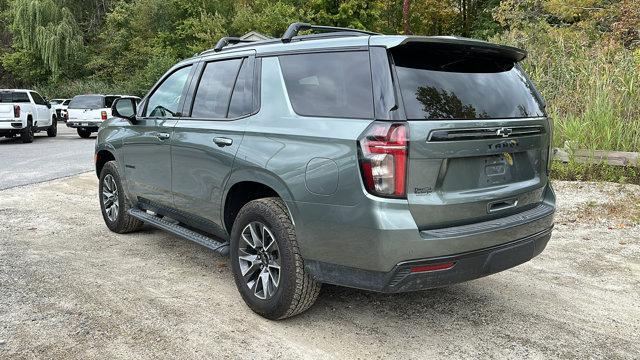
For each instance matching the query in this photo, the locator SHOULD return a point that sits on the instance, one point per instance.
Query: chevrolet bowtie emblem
(504, 132)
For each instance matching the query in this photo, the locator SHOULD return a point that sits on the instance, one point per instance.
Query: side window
(214, 89)
(242, 97)
(329, 84)
(109, 100)
(38, 99)
(166, 98)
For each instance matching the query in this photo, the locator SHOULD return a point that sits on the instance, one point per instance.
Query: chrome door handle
(222, 141)
(163, 136)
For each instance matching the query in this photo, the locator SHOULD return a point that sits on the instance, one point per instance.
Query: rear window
(14, 97)
(329, 84)
(438, 83)
(87, 102)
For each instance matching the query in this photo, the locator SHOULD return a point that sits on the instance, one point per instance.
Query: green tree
(47, 31)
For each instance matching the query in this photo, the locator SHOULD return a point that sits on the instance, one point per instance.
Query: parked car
(60, 107)
(87, 112)
(385, 163)
(25, 113)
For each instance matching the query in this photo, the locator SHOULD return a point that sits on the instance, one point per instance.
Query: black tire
(123, 222)
(297, 290)
(27, 134)
(52, 131)
(10, 136)
(85, 134)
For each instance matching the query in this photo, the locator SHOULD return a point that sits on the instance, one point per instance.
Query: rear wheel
(52, 131)
(26, 135)
(266, 262)
(114, 203)
(85, 134)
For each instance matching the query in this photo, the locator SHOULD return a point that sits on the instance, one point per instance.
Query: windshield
(87, 102)
(456, 86)
(14, 97)
(55, 102)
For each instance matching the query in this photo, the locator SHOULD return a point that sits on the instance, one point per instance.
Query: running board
(220, 248)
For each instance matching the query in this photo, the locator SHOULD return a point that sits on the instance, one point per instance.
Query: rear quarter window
(336, 84)
(439, 84)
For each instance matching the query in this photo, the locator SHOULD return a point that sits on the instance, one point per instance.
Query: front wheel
(85, 134)
(114, 203)
(266, 262)
(52, 131)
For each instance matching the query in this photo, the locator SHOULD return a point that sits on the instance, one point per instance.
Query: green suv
(384, 163)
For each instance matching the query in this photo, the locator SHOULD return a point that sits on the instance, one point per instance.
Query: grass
(591, 85)
(595, 172)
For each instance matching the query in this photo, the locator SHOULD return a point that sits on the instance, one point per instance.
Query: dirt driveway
(71, 289)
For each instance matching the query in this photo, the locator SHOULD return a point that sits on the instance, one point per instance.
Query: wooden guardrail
(616, 158)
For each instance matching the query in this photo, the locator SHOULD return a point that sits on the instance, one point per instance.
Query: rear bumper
(466, 266)
(10, 126)
(85, 125)
(379, 235)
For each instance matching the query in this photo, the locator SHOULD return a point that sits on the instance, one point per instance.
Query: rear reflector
(104, 115)
(432, 267)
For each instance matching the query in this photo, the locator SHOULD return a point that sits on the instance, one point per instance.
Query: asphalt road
(71, 289)
(44, 159)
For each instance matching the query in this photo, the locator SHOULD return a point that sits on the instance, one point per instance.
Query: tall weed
(590, 84)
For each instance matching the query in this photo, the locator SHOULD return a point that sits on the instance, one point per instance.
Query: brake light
(16, 111)
(383, 159)
(103, 115)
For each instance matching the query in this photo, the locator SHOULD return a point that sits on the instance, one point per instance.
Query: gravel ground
(71, 289)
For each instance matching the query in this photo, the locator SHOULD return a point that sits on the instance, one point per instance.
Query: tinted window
(164, 102)
(453, 85)
(108, 101)
(38, 99)
(14, 97)
(214, 89)
(242, 96)
(66, 102)
(329, 84)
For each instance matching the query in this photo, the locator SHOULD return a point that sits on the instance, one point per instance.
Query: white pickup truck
(24, 113)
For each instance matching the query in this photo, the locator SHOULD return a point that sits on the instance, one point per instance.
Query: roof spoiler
(471, 45)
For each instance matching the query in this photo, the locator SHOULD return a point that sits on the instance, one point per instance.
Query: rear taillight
(383, 159)
(103, 115)
(16, 111)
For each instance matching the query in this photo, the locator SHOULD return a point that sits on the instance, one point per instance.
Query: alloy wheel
(110, 197)
(259, 258)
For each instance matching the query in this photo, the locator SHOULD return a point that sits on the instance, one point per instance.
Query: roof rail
(228, 40)
(295, 28)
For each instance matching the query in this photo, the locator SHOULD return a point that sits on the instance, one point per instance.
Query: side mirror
(124, 108)
(49, 105)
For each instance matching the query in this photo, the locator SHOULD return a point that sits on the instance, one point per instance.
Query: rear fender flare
(264, 177)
